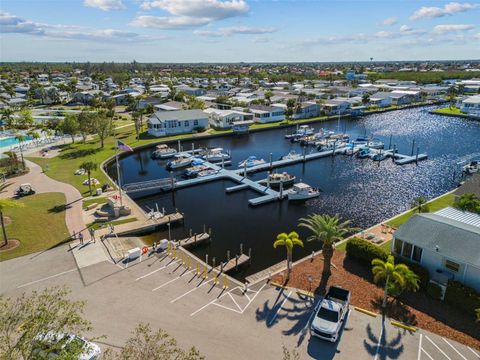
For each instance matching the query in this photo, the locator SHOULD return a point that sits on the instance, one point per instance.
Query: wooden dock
(232, 264)
(194, 240)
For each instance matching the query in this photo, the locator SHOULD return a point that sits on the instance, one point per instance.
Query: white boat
(303, 130)
(292, 155)
(216, 154)
(163, 152)
(251, 161)
(275, 179)
(179, 162)
(302, 191)
(472, 168)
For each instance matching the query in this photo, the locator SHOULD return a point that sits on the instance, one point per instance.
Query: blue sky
(237, 30)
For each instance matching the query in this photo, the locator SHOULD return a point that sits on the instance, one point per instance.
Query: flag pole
(118, 177)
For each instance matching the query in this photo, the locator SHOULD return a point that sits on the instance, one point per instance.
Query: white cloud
(477, 36)
(448, 9)
(265, 39)
(389, 21)
(105, 5)
(188, 13)
(16, 25)
(234, 30)
(444, 29)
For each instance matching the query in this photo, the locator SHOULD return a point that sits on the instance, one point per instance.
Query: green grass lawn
(36, 225)
(434, 205)
(387, 245)
(448, 111)
(98, 201)
(99, 225)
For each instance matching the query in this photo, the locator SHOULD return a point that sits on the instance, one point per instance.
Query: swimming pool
(9, 141)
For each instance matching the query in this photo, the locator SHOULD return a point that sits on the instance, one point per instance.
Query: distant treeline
(425, 77)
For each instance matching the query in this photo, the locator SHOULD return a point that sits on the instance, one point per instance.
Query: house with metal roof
(446, 243)
(165, 123)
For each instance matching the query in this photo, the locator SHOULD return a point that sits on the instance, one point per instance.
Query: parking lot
(221, 318)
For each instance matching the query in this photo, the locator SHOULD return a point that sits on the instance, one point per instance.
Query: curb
(403, 326)
(306, 293)
(367, 312)
(279, 286)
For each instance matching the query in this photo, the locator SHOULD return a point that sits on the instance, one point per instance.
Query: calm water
(361, 190)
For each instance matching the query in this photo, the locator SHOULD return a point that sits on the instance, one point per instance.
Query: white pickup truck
(330, 314)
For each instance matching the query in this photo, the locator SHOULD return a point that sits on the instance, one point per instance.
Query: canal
(361, 190)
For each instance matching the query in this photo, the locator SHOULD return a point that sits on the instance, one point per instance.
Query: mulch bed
(415, 309)
(11, 244)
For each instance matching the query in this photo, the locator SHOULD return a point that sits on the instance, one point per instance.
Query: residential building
(165, 123)
(336, 107)
(170, 106)
(192, 91)
(471, 105)
(446, 243)
(266, 114)
(307, 109)
(381, 99)
(224, 119)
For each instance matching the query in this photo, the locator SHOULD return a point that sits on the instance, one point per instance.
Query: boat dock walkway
(232, 264)
(194, 240)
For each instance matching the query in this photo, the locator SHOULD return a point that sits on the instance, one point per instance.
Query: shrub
(364, 251)
(434, 291)
(462, 297)
(417, 269)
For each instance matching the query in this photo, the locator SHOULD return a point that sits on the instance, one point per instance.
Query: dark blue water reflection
(357, 189)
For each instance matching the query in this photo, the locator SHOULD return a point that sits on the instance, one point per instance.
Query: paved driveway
(224, 323)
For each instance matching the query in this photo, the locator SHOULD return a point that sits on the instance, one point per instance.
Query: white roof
(459, 215)
(472, 99)
(302, 186)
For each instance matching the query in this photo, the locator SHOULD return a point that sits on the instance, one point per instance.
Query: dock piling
(241, 249)
(228, 255)
(179, 148)
(204, 228)
(390, 142)
(236, 262)
(413, 147)
(416, 157)
(271, 162)
(213, 262)
(249, 255)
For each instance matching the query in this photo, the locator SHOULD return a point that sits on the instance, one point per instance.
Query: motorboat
(379, 157)
(162, 151)
(302, 191)
(207, 172)
(274, 180)
(364, 153)
(376, 144)
(292, 155)
(179, 161)
(472, 168)
(251, 161)
(192, 172)
(216, 154)
(303, 130)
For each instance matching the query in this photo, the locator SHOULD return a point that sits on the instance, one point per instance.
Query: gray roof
(470, 186)
(178, 115)
(459, 215)
(455, 239)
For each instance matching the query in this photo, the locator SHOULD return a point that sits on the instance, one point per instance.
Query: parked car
(51, 345)
(24, 190)
(330, 314)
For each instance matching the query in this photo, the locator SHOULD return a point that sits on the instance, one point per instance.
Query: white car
(91, 351)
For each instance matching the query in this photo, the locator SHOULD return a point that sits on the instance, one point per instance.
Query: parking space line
(190, 291)
(226, 307)
(458, 352)
(426, 336)
(473, 351)
(426, 353)
(312, 315)
(254, 296)
(238, 306)
(212, 302)
(280, 308)
(156, 270)
(173, 280)
(46, 278)
(419, 347)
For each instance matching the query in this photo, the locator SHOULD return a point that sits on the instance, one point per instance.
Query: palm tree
(7, 116)
(4, 204)
(89, 166)
(327, 229)
(477, 311)
(289, 241)
(387, 271)
(21, 138)
(420, 204)
(468, 202)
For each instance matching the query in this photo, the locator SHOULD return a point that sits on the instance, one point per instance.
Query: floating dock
(233, 264)
(194, 240)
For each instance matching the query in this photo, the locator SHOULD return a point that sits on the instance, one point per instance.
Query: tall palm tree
(420, 204)
(289, 241)
(4, 204)
(388, 271)
(7, 116)
(327, 229)
(21, 138)
(89, 166)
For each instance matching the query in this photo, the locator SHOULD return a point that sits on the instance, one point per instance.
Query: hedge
(434, 291)
(462, 297)
(364, 251)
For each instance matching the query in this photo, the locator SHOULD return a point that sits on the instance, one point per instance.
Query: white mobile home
(164, 123)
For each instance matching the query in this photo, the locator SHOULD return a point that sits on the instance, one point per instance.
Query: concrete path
(73, 212)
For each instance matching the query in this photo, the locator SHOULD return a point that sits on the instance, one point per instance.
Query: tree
(102, 126)
(85, 124)
(25, 319)
(452, 96)
(468, 202)
(477, 311)
(136, 121)
(420, 204)
(365, 99)
(386, 271)
(89, 166)
(69, 126)
(327, 229)
(268, 94)
(24, 119)
(7, 116)
(5, 204)
(147, 344)
(289, 241)
(21, 138)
